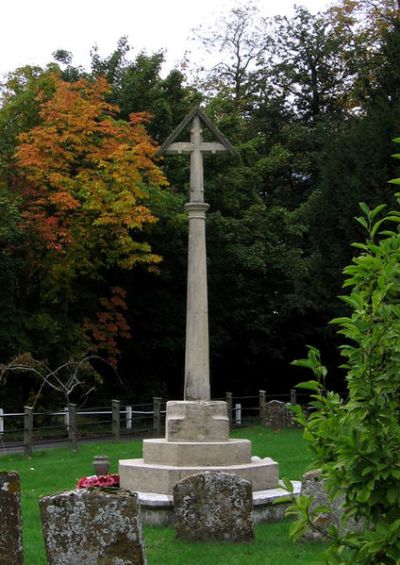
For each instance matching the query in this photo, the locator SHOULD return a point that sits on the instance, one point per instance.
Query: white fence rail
(12, 424)
(129, 412)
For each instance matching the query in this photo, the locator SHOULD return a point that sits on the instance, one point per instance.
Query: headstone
(92, 527)
(276, 414)
(11, 549)
(313, 485)
(291, 418)
(213, 506)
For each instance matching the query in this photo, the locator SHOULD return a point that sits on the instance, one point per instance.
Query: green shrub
(356, 442)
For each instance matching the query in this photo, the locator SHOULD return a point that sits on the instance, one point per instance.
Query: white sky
(31, 30)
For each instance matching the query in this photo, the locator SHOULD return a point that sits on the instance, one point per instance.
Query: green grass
(54, 470)
(271, 547)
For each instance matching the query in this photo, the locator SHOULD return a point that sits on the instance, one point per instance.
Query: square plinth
(197, 420)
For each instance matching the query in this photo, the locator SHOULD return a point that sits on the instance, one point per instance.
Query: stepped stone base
(197, 440)
(137, 475)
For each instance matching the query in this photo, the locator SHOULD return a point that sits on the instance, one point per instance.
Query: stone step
(193, 454)
(136, 475)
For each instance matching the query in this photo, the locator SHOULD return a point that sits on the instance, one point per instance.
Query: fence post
(1, 421)
(28, 430)
(157, 415)
(262, 397)
(228, 398)
(128, 412)
(293, 396)
(116, 407)
(238, 414)
(73, 429)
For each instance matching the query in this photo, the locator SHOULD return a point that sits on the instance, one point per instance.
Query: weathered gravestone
(213, 506)
(92, 527)
(276, 414)
(313, 485)
(11, 549)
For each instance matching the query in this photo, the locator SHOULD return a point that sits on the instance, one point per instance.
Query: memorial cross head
(195, 147)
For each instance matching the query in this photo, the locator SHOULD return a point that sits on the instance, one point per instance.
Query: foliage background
(311, 104)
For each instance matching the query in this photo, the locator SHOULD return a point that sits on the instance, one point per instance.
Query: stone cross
(197, 370)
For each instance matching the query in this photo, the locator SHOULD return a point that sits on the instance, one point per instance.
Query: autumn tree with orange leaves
(86, 178)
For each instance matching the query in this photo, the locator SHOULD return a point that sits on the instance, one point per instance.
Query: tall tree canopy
(311, 103)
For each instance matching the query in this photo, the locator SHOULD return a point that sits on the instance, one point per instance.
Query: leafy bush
(356, 442)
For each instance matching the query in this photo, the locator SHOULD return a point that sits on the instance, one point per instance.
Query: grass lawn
(54, 470)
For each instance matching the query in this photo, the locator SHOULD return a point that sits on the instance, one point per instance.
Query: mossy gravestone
(213, 506)
(11, 550)
(92, 527)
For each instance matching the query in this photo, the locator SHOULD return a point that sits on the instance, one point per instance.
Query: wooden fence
(29, 428)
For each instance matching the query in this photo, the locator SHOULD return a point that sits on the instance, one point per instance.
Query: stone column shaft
(196, 163)
(197, 367)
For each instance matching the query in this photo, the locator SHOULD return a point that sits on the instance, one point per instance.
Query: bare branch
(65, 379)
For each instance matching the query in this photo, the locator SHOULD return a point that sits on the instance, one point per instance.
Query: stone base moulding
(158, 509)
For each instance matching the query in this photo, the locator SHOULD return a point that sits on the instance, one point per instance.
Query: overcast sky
(32, 30)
